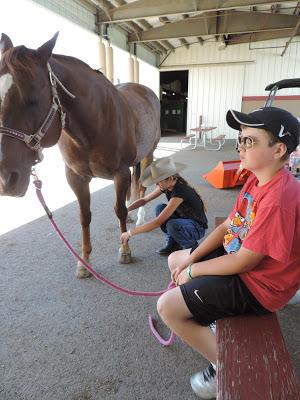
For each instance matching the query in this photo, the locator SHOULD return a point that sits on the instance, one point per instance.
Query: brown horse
(101, 129)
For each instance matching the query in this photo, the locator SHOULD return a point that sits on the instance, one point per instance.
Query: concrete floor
(69, 339)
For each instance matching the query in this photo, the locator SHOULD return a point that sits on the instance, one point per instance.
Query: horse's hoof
(125, 258)
(81, 272)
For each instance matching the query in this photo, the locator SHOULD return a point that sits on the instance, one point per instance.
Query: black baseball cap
(281, 123)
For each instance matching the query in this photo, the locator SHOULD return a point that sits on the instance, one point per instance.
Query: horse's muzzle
(13, 184)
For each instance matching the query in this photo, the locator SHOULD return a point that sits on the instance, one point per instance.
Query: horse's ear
(45, 50)
(5, 43)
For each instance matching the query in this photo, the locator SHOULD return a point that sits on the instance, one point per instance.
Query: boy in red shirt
(251, 262)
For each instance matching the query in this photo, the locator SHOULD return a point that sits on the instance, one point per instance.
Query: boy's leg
(185, 232)
(174, 312)
(190, 308)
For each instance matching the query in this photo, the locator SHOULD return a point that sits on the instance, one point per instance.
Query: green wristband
(189, 271)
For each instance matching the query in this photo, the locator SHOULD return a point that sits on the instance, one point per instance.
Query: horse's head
(26, 99)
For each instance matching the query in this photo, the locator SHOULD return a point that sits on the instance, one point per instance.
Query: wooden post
(136, 72)
(131, 69)
(102, 57)
(109, 63)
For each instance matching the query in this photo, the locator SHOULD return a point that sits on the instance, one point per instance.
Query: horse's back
(146, 108)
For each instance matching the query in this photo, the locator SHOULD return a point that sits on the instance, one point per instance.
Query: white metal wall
(211, 90)
(218, 79)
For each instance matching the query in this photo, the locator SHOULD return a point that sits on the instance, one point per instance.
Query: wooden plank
(253, 361)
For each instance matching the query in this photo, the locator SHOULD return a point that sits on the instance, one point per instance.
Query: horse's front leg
(122, 183)
(80, 186)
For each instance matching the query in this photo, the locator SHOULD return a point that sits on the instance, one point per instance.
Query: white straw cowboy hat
(159, 170)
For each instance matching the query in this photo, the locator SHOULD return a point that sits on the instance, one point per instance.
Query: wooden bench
(253, 360)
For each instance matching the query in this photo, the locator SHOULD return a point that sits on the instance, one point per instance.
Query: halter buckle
(33, 143)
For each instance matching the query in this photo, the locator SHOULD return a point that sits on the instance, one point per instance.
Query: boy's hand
(176, 272)
(182, 278)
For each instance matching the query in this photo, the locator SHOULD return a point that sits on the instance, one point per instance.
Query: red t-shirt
(266, 219)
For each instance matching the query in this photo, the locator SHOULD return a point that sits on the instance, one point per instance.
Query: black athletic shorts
(214, 297)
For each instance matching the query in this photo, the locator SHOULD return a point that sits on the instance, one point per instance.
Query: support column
(109, 63)
(136, 71)
(102, 57)
(130, 69)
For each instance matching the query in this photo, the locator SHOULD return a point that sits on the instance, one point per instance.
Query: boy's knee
(176, 258)
(163, 306)
(172, 261)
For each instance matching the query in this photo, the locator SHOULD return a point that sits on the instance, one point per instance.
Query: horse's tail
(135, 183)
(137, 189)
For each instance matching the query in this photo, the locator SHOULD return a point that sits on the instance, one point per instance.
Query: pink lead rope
(38, 188)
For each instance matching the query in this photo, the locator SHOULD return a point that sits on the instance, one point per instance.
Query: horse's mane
(62, 57)
(20, 62)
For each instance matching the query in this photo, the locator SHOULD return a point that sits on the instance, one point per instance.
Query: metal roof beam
(165, 20)
(107, 8)
(156, 8)
(163, 43)
(226, 23)
(258, 36)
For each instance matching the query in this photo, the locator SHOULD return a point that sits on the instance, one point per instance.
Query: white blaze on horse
(46, 99)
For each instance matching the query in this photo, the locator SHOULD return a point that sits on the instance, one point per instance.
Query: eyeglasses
(246, 141)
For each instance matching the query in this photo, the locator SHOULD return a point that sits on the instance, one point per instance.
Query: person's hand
(182, 278)
(177, 271)
(125, 236)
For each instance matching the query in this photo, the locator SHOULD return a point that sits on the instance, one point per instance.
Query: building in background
(234, 77)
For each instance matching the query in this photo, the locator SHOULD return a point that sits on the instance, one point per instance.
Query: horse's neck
(79, 77)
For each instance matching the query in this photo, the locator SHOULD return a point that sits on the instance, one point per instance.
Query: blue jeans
(186, 232)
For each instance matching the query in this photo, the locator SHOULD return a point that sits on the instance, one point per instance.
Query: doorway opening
(173, 100)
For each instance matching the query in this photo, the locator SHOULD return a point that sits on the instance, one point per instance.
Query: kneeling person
(183, 218)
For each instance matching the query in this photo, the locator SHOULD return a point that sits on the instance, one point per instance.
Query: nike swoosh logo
(282, 133)
(197, 295)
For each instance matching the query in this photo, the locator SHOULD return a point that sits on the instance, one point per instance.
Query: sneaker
(204, 383)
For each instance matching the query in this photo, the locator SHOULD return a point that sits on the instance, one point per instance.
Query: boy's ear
(281, 150)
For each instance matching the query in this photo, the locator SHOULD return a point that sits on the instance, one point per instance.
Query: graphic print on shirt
(240, 224)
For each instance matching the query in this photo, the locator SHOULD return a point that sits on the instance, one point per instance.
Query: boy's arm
(235, 263)
(209, 244)
(230, 264)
